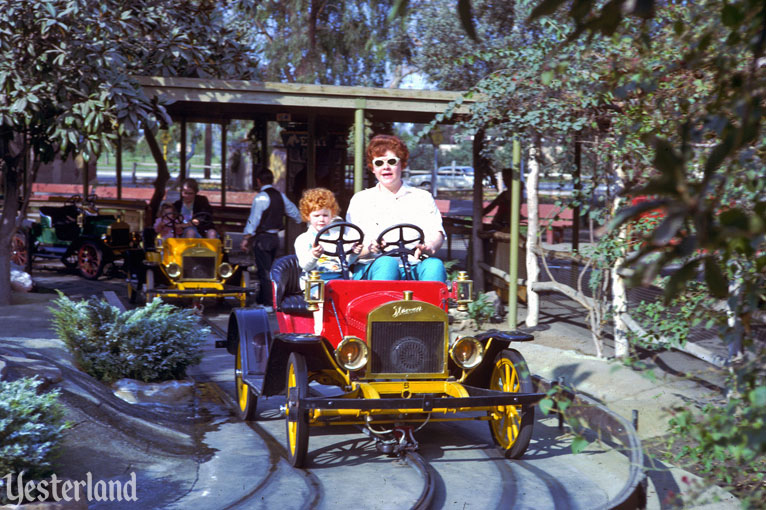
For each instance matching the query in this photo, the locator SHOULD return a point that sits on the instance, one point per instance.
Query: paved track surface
(201, 456)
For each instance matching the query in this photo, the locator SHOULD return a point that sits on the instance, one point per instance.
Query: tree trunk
(7, 229)
(163, 176)
(11, 157)
(619, 290)
(533, 269)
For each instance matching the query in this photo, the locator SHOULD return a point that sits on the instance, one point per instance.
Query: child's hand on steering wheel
(357, 248)
(317, 251)
(422, 250)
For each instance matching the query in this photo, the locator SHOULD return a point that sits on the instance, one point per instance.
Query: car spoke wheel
(296, 419)
(90, 261)
(20, 251)
(247, 400)
(511, 426)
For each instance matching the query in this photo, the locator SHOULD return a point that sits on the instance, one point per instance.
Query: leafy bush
(726, 441)
(31, 426)
(154, 343)
(451, 268)
(481, 309)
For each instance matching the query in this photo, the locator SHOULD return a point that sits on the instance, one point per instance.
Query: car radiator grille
(199, 268)
(407, 347)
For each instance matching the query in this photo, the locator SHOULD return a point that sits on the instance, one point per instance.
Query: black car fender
(493, 341)
(313, 347)
(248, 324)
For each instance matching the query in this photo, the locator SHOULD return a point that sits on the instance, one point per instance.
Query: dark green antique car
(75, 233)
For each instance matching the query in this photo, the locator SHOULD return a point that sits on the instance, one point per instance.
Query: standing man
(262, 230)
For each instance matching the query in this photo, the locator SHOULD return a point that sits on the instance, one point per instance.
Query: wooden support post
(513, 268)
(361, 104)
(577, 190)
(182, 170)
(311, 156)
(118, 166)
(84, 178)
(475, 251)
(223, 165)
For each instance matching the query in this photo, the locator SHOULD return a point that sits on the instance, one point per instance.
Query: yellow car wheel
(296, 419)
(244, 299)
(247, 401)
(511, 426)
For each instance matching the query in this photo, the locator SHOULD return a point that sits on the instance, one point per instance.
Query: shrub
(154, 343)
(481, 309)
(31, 427)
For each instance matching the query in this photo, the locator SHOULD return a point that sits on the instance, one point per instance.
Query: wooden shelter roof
(215, 101)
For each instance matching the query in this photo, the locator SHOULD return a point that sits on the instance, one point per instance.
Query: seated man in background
(195, 211)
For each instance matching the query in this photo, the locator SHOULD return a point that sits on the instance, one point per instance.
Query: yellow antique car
(186, 268)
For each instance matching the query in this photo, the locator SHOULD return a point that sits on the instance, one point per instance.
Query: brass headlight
(174, 270)
(467, 352)
(352, 353)
(225, 270)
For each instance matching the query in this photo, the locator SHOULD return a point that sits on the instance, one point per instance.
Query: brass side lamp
(314, 291)
(227, 243)
(463, 290)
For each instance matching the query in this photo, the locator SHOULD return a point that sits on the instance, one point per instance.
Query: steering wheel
(336, 246)
(89, 204)
(73, 200)
(172, 220)
(409, 237)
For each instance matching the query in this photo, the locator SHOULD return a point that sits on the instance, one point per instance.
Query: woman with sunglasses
(391, 202)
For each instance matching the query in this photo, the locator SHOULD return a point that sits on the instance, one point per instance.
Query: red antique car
(384, 349)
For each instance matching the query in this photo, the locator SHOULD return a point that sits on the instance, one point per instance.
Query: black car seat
(63, 220)
(285, 277)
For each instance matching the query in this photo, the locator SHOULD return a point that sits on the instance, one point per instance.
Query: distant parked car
(448, 177)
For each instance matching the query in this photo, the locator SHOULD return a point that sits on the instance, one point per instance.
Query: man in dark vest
(262, 230)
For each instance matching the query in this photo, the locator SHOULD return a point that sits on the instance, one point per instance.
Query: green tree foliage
(691, 89)
(440, 42)
(331, 42)
(67, 72)
(677, 90)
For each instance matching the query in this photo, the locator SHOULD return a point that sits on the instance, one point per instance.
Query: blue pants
(387, 268)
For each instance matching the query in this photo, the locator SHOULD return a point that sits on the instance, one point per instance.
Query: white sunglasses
(383, 161)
